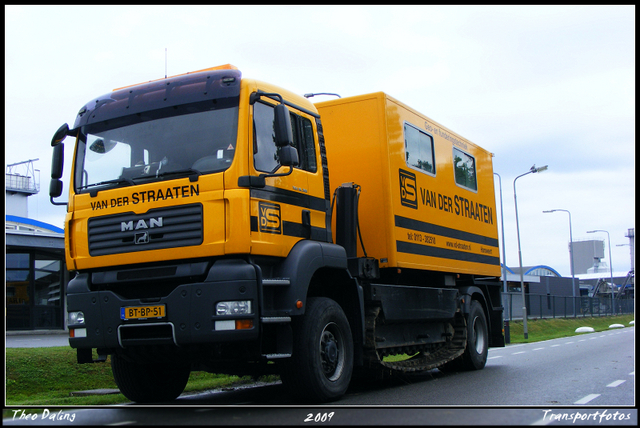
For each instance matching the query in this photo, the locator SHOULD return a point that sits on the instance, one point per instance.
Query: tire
(149, 383)
(475, 354)
(321, 364)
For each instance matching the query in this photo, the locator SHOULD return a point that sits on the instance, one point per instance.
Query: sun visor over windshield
(173, 91)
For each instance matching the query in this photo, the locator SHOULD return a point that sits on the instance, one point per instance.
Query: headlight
(75, 318)
(239, 307)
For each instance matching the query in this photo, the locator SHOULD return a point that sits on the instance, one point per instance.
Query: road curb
(94, 392)
(36, 332)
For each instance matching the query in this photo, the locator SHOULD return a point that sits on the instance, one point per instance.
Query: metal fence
(549, 306)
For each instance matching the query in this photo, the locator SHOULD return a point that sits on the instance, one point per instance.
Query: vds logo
(408, 192)
(269, 217)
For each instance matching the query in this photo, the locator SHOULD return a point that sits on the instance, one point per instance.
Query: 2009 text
(319, 417)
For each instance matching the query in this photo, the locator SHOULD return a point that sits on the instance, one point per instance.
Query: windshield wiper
(94, 192)
(193, 173)
(120, 180)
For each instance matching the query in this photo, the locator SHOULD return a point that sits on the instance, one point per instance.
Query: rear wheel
(475, 354)
(321, 365)
(149, 382)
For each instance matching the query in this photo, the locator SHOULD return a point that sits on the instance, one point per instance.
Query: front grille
(156, 229)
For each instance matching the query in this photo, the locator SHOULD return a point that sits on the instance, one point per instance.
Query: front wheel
(321, 365)
(149, 382)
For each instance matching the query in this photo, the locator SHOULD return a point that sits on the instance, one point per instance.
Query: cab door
(282, 210)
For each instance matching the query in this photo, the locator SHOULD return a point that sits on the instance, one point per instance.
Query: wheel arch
(472, 292)
(319, 269)
(339, 286)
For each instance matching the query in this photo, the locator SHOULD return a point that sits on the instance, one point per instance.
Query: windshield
(165, 148)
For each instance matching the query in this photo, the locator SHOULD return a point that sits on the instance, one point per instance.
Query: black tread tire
(475, 354)
(151, 382)
(311, 375)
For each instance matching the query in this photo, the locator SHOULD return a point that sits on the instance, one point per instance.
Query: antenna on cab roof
(321, 93)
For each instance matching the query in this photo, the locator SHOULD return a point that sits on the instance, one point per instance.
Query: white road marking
(616, 383)
(586, 399)
(521, 352)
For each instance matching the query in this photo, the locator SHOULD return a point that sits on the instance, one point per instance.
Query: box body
(427, 199)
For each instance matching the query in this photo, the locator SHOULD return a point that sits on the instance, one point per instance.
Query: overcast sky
(543, 85)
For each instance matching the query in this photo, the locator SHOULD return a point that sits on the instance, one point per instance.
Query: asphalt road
(581, 380)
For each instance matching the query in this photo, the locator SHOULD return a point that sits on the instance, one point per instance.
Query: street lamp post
(610, 264)
(504, 264)
(573, 276)
(515, 199)
(504, 252)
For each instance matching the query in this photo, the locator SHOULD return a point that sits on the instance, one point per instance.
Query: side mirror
(288, 156)
(57, 164)
(57, 161)
(55, 188)
(282, 126)
(60, 135)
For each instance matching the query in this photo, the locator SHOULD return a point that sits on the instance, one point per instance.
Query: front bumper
(190, 311)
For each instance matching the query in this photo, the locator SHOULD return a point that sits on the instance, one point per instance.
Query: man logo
(141, 224)
(269, 217)
(408, 186)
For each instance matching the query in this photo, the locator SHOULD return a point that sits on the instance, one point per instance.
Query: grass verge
(545, 329)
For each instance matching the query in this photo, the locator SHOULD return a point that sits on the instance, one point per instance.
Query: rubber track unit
(425, 359)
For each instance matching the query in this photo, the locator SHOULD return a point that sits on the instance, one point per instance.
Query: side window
(418, 148)
(465, 169)
(304, 143)
(265, 154)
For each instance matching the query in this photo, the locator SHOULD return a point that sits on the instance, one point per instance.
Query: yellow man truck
(224, 224)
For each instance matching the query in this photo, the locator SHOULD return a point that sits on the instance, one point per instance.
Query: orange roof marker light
(219, 67)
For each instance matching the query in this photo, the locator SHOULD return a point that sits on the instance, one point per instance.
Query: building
(587, 254)
(596, 279)
(545, 288)
(36, 275)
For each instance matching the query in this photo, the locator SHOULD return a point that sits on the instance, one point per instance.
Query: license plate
(142, 312)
